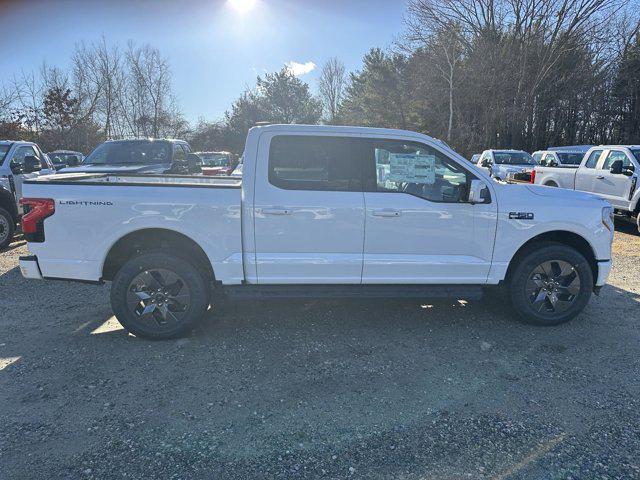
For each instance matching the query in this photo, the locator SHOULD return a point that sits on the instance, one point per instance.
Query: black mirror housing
(616, 167)
(31, 164)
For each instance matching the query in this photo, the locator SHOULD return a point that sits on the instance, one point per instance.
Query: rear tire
(158, 296)
(7, 228)
(551, 284)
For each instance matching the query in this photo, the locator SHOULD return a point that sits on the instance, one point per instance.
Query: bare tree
(331, 85)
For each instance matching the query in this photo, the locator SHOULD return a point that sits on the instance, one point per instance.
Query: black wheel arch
(570, 239)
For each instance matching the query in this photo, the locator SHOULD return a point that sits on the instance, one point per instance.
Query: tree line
(479, 74)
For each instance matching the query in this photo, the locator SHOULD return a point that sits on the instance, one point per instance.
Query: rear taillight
(532, 179)
(35, 211)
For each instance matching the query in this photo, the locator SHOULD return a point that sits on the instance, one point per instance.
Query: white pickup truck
(319, 211)
(609, 171)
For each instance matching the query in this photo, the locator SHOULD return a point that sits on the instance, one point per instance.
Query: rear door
(420, 229)
(308, 209)
(614, 188)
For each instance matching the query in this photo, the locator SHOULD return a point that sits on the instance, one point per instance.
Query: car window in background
(21, 153)
(570, 158)
(4, 149)
(636, 153)
(537, 157)
(512, 158)
(216, 160)
(592, 161)
(179, 153)
(127, 152)
(418, 170)
(63, 159)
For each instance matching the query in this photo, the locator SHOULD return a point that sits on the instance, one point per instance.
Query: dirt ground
(320, 389)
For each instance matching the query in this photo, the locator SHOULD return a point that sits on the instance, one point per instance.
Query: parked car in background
(19, 161)
(568, 157)
(65, 158)
(218, 163)
(436, 225)
(609, 171)
(144, 156)
(500, 163)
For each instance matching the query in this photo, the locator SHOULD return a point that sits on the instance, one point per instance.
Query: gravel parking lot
(320, 389)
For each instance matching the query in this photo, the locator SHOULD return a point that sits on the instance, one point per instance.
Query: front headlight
(607, 218)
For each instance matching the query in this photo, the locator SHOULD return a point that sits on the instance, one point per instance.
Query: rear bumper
(29, 267)
(604, 267)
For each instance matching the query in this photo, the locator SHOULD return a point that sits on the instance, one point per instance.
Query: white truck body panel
(254, 232)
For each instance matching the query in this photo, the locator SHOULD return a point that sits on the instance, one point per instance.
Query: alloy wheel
(552, 287)
(159, 296)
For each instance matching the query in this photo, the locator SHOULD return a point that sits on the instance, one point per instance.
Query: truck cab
(502, 163)
(19, 161)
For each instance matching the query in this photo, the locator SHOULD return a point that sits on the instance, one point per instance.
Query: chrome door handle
(276, 211)
(386, 212)
(600, 177)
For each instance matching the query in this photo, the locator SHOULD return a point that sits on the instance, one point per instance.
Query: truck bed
(91, 216)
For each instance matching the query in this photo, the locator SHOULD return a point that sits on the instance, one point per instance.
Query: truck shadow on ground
(316, 379)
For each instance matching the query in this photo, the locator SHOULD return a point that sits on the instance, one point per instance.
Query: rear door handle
(276, 211)
(386, 212)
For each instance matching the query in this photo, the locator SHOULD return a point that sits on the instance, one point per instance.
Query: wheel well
(551, 183)
(8, 203)
(569, 239)
(146, 240)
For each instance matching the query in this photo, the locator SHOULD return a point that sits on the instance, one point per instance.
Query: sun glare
(242, 6)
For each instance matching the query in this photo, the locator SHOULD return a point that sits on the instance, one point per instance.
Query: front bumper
(29, 267)
(604, 267)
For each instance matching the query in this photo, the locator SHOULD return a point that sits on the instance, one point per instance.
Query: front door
(308, 210)
(614, 188)
(17, 164)
(419, 226)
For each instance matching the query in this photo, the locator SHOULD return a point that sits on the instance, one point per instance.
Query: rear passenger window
(592, 161)
(299, 162)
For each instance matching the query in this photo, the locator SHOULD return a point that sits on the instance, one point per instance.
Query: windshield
(570, 158)
(3, 152)
(145, 152)
(512, 158)
(215, 159)
(62, 159)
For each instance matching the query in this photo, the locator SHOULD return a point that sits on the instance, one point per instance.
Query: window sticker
(412, 168)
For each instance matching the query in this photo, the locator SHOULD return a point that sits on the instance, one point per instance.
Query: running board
(467, 292)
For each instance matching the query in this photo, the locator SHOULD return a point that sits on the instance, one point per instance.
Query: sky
(216, 48)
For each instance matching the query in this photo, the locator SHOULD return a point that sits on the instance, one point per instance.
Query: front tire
(158, 296)
(551, 284)
(7, 228)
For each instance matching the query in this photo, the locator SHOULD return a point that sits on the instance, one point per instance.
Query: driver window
(178, 153)
(613, 156)
(21, 152)
(418, 170)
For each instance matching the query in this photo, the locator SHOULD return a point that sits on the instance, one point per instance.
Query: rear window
(300, 162)
(570, 158)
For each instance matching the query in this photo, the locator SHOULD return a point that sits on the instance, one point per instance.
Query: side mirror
(478, 192)
(194, 163)
(485, 163)
(31, 164)
(616, 168)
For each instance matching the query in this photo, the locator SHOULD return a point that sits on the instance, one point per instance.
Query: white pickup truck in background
(609, 171)
(503, 163)
(319, 211)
